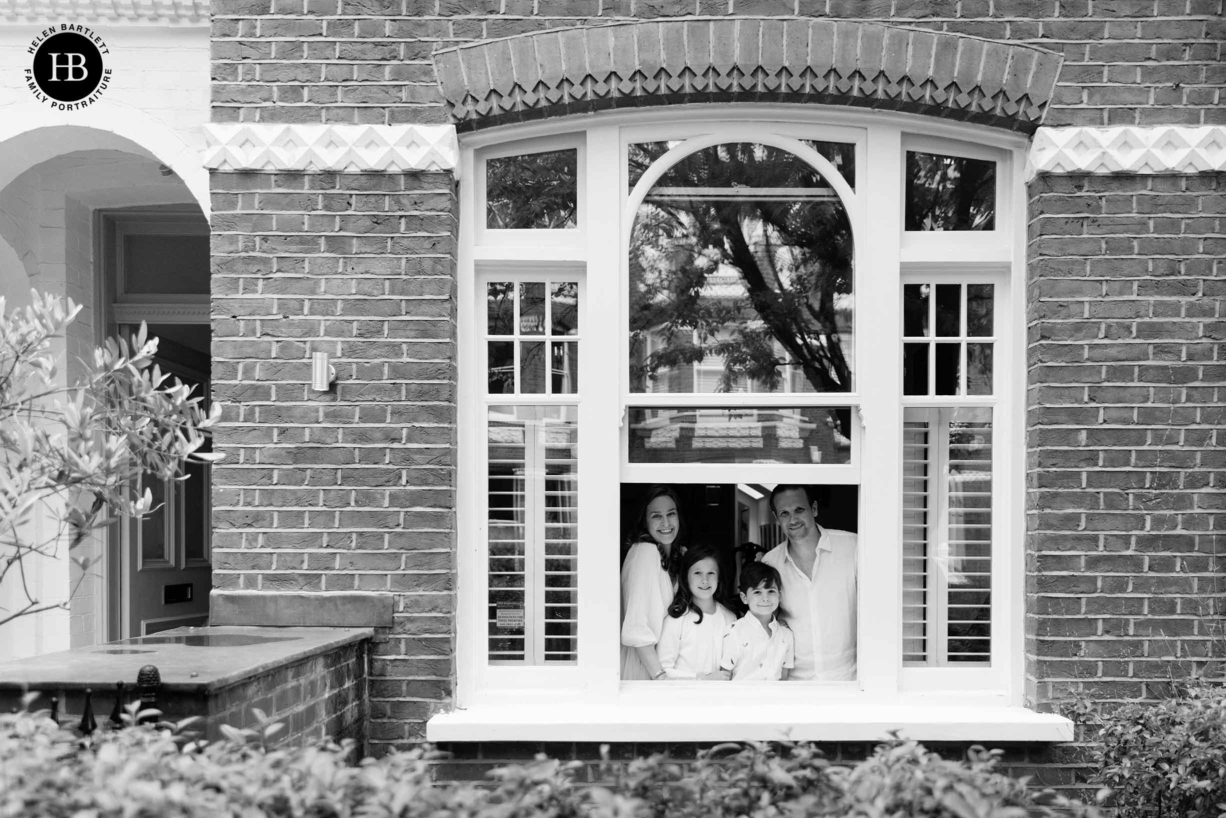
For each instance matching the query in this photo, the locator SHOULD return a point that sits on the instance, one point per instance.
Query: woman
(649, 581)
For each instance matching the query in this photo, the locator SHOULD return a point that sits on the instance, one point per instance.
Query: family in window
(689, 614)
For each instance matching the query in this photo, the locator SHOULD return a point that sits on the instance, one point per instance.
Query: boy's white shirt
(688, 648)
(751, 653)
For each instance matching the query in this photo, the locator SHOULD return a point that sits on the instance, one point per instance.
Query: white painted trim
(123, 11)
(837, 721)
(1129, 149)
(337, 148)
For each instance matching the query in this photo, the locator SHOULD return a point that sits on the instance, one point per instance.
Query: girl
(693, 633)
(759, 645)
(649, 581)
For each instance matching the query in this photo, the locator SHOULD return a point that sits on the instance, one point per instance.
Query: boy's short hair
(754, 574)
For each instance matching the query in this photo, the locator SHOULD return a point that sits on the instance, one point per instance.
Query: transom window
(722, 307)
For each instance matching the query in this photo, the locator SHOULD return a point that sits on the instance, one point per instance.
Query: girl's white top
(688, 647)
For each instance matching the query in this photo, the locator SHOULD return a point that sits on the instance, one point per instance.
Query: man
(818, 569)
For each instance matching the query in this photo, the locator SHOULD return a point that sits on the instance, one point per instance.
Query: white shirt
(647, 591)
(821, 608)
(753, 652)
(688, 647)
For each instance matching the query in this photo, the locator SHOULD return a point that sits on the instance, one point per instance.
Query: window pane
(532, 368)
(532, 308)
(950, 193)
(532, 191)
(502, 367)
(165, 265)
(564, 308)
(841, 154)
(564, 368)
(949, 305)
(947, 542)
(948, 372)
(500, 308)
(155, 545)
(978, 369)
(915, 369)
(533, 534)
(743, 435)
(980, 304)
(741, 276)
(528, 314)
(915, 310)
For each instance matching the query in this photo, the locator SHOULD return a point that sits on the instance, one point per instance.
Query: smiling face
(703, 579)
(662, 520)
(796, 515)
(762, 601)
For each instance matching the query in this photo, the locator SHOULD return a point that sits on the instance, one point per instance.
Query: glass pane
(915, 310)
(195, 510)
(949, 316)
(532, 191)
(950, 193)
(947, 536)
(978, 369)
(533, 534)
(979, 308)
(532, 308)
(564, 308)
(165, 265)
(841, 154)
(154, 544)
(791, 435)
(532, 367)
(640, 156)
(741, 276)
(502, 367)
(915, 369)
(565, 368)
(947, 369)
(500, 311)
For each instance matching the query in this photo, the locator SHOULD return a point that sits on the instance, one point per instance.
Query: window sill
(810, 722)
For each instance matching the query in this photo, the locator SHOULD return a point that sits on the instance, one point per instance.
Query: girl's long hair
(683, 600)
(670, 561)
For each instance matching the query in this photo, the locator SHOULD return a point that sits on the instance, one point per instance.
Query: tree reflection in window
(741, 254)
(950, 193)
(534, 191)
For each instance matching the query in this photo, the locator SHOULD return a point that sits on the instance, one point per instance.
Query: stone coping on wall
(336, 609)
(89, 11)
(1158, 149)
(185, 667)
(557, 72)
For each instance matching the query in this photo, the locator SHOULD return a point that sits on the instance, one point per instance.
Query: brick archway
(580, 70)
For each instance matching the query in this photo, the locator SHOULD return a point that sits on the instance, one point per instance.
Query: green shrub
(143, 773)
(1163, 759)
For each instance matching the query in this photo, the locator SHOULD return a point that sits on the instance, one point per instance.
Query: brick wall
(1128, 62)
(1126, 426)
(349, 490)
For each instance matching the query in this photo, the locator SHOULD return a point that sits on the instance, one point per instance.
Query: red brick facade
(354, 490)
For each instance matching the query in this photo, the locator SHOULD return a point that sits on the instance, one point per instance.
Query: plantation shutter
(947, 542)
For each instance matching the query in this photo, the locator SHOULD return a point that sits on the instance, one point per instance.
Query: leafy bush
(1163, 759)
(143, 772)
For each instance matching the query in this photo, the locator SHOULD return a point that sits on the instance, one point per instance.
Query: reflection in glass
(500, 309)
(502, 367)
(915, 310)
(564, 308)
(948, 371)
(565, 368)
(949, 193)
(741, 277)
(949, 305)
(915, 369)
(523, 317)
(978, 369)
(532, 308)
(947, 536)
(979, 309)
(532, 191)
(788, 435)
(532, 367)
(936, 368)
(533, 535)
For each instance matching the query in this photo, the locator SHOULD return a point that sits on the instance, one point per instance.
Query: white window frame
(588, 701)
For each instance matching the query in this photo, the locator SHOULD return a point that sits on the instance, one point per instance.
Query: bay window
(722, 304)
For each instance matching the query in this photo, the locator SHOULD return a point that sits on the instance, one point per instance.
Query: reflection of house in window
(738, 435)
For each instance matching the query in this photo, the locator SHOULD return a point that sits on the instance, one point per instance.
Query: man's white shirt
(821, 608)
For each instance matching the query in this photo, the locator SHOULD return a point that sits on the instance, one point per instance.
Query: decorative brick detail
(1164, 149)
(1126, 416)
(340, 148)
(87, 11)
(576, 70)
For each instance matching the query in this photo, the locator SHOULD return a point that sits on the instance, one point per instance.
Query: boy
(759, 645)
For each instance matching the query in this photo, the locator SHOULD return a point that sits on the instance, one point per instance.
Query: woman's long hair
(670, 560)
(683, 600)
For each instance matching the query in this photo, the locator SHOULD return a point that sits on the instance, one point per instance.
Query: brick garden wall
(350, 490)
(1126, 415)
(1127, 62)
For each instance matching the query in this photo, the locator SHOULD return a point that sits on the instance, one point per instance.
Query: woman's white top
(647, 591)
(688, 647)
(754, 652)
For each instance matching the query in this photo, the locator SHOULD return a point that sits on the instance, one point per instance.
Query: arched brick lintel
(579, 70)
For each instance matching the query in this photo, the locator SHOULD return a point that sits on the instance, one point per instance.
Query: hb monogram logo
(68, 70)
